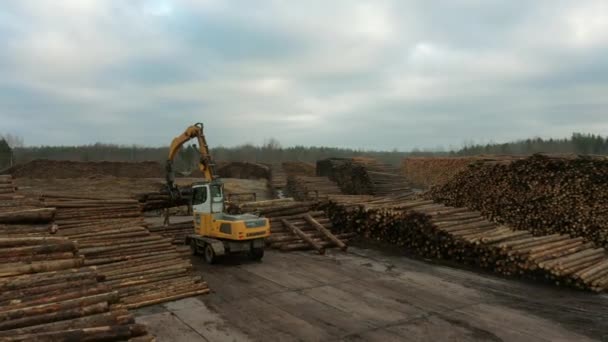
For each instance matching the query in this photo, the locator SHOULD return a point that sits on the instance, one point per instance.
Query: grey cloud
(364, 74)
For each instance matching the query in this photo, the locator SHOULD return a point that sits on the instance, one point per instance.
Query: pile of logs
(7, 187)
(304, 188)
(425, 172)
(161, 200)
(47, 292)
(433, 230)
(295, 227)
(298, 168)
(278, 180)
(244, 170)
(263, 207)
(145, 268)
(327, 167)
(280, 172)
(176, 232)
(543, 194)
(365, 176)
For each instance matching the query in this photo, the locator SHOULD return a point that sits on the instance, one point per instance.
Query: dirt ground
(128, 187)
(366, 295)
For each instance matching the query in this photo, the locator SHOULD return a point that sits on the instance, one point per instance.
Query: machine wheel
(256, 254)
(193, 247)
(210, 255)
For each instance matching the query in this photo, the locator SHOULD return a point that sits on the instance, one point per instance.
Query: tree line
(578, 143)
(273, 152)
(188, 155)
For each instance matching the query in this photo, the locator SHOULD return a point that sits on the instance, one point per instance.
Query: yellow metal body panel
(206, 225)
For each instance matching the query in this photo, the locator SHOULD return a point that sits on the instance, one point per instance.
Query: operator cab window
(216, 193)
(199, 195)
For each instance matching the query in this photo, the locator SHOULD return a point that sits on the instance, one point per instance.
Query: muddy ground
(367, 295)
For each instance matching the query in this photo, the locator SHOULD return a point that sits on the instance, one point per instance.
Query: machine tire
(256, 254)
(193, 247)
(209, 254)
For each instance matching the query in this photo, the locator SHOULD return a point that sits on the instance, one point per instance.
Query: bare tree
(272, 144)
(12, 140)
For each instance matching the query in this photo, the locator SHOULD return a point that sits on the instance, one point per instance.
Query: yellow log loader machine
(216, 233)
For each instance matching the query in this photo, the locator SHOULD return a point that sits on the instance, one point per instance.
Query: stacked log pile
(543, 194)
(176, 232)
(263, 207)
(43, 168)
(244, 170)
(297, 168)
(365, 176)
(278, 180)
(47, 291)
(294, 226)
(327, 167)
(433, 230)
(144, 268)
(280, 172)
(7, 187)
(305, 188)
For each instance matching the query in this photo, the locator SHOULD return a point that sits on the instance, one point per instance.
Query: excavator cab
(217, 233)
(208, 197)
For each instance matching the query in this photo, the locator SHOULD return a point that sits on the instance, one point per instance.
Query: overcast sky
(366, 74)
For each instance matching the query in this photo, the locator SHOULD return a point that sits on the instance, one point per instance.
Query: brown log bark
(30, 216)
(303, 236)
(325, 232)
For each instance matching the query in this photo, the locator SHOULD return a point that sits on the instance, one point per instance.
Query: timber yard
(434, 249)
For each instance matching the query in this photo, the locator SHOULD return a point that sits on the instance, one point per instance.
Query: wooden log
(104, 333)
(20, 242)
(47, 289)
(152, 293)
(578, 265)
(116, 317)
(594, 254)
(145, 338)
(144, 270)
(167, 298)
(54, 316)
(504, 237)
(588, 280)
(57, 247)
(69, 294)
(29, 215)
(123, 247)
(147, 278)
(139, 259)
(7, 314)
(36, 257)
(572, 257)
(297, 246)
(303, 236)
(185, 280)
(586, 274)
(556, 252)
(49, 277)
(37, 267)
(325, 232)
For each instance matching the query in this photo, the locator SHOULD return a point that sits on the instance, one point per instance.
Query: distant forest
(272, 151)
(578, 143)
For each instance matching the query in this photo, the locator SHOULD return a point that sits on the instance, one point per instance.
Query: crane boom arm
(205, 164)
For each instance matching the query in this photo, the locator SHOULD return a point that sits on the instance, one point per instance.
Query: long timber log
(304, 236)
(325, 232)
